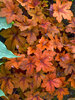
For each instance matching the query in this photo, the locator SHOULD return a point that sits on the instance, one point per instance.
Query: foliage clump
(45, 44)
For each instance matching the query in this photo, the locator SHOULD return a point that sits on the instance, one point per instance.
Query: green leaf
(4, 52)
(1, 63)
(3, 23)
(2, 94)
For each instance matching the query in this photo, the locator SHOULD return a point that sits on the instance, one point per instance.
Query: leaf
(3, 23)
(37, 78)
(1, 63)
(61, 92)
(30, 50)
(21, 81)
(11, 11)
(31, 34)
(71, 27)
(69, 67)
(28, 64)
(24, 23)
(72, 80)
(24, 83)
(43, 43)
(15, 62)
(6, 81)
(34, 96)
(53, 29)
(43, 61)
(7, 86)
(45, 24)
(29, 3)
(4, 52)
(2, 94)
(61, 10)
(54, 42)
(50, 82)
(13, 38)
(36, 14)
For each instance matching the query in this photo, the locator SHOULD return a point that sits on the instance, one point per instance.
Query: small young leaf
(4, 52)
(3, 23)
(12, 22)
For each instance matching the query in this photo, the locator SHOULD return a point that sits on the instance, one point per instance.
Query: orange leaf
(36, 14)
(62, 10)
(35, 96)
(11, 11)
(6, 81)
(43, 61)
(21, 81)
(71, 27)
(72, 80)
(30, 50)
(24, 23)
(54, 43)
(13, 38)
(43, 43)
(31, 34)
(61, 92)
(28, 64)
(15, 62)
(69, 67)
(50, 82)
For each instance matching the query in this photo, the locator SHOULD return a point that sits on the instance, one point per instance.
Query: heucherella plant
(37, 58)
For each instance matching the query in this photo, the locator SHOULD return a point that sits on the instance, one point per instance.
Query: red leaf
(50, 82)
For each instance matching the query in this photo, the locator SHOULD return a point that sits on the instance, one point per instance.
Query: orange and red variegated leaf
(11, 11)
(69, 67)
(43, 43)
(28, 4)
(53, 30)
(62, 10)
(54, 43)
(24, 82)
(15, 62)
(61, 92)
(44, 24)
(36, 14)
(34, 96)
(31, 34)
(30, 50)
(6, 81)
(51, 82)
(28, 64)
(13, 38)
(71, 27)
(72, 80)
(7, 86)
(63, 57)
(21, 81)
(24, 23)
(43, 61)
(37, 79)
